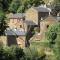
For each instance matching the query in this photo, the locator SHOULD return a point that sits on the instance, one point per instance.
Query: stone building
(16, 21)
(15, 37)
(44, 25)
(36, 14)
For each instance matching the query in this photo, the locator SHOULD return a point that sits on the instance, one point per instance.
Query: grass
(40, 43)
(36, 50)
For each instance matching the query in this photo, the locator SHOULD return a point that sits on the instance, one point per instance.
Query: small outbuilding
(15, 37)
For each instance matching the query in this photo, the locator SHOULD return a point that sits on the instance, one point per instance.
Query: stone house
(44, 25)
(15, 37)
(16, 21)
(35, 14)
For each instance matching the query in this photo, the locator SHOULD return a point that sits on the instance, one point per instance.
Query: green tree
(14, 6)
(55, 7)
(56, 10)
(4, 4)
(28, 3)
(3, 24)
(53, 35)
(56, 2)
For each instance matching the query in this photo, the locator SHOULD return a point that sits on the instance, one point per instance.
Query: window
(47, 26)
(20, 26)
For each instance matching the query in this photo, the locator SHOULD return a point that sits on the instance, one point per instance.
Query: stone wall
(32, 15)
(20, 41)
(16, 23)
(46, 23)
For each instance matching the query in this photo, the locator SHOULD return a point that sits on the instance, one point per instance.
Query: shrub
(33, 53)
(53, 35)
(11, 53)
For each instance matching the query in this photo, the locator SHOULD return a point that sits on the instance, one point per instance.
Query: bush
(11, 53)
(19, 53)
(33, 53)
(53, 35)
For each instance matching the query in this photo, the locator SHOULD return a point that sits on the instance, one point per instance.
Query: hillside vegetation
(49, 49)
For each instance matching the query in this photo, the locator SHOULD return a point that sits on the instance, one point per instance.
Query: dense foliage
(18, 5)
(55, 7)
(53, 36)
(14, 6)
(3, 23)
(11, 53)
(56, 10)
(16, 53)
(22, 5)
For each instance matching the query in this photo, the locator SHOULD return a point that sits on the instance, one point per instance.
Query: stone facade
(8, 41)
(36, 13)
(32, 15)
(16, 23)
(46, 23)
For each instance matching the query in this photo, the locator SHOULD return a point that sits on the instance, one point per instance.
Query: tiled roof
(14, 32)
(51, 18)
(18, 15)
(42, 9)
(29, 22)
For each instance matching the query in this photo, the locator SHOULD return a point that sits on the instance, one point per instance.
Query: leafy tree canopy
(22, 5)
(14, 6)
(56, 7)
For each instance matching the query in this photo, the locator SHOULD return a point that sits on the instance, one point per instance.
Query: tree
(55, 7)
(14, 6)
(56, 2)
(3, 24)
(4, 4)
(53, 35)
(36, 2)
(28, 3)
(56, 10)
(29, 34)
